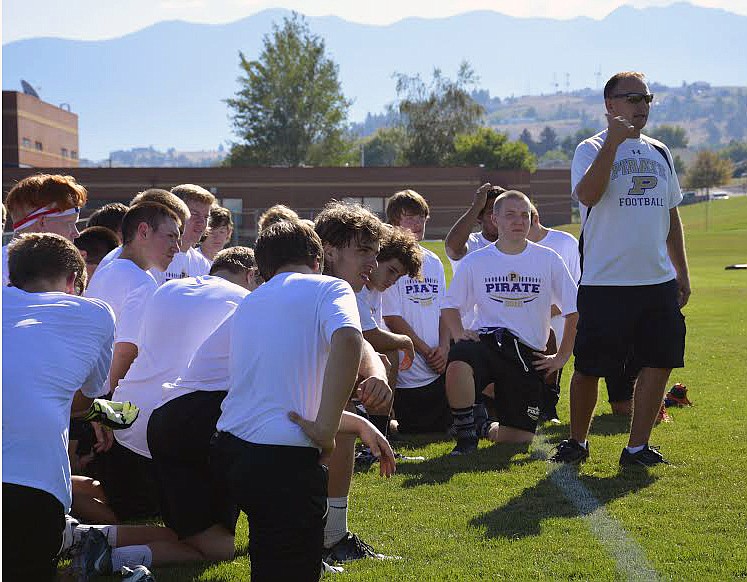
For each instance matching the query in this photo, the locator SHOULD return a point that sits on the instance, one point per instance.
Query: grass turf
(497, 514)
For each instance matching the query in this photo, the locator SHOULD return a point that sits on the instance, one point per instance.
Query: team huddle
(149, 372)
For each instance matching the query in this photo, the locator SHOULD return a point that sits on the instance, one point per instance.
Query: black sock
(381, 422)
(464, 422)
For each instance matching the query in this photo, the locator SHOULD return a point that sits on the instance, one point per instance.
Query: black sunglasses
(635, 97)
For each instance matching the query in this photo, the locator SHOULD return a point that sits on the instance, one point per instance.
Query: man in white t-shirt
(634, 268)
(512, 285)
(351, 236)
(44, 203)
(287, 395)
(461, 240)
(399, 255)
(412, 307)
(57, 349)
(151, 239)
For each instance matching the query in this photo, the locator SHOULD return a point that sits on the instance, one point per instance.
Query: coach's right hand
(618, 129)
(375, 394)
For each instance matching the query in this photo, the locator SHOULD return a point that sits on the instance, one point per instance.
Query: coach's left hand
(322, 438)
(375, 394)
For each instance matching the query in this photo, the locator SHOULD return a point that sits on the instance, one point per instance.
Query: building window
(38, 145)
(74, 154)
(26, 142)
(64, 153)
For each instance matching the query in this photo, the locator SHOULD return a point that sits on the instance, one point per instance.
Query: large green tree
(674, 136)
(289, 109)
(708, 170)
(434, 114)
(493, 150)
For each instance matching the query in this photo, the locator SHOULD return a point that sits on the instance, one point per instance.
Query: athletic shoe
(464, 446)
(663, 415)
(329, 569)
(647, 457)
(350, 548)
(94, 556)
(114, 415)
(677, 396)
(137, 574)
(70, 538)
(570, 452)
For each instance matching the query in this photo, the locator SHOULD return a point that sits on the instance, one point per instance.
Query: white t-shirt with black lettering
(177, 320)
(419, 303)
(566, 245)
(127, 289)
(280, 342)
(624, 234)
(53, 345)
(514, 291)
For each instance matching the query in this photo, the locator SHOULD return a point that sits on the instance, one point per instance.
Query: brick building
(38, 134)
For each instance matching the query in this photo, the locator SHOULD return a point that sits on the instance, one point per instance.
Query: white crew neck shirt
(191, 263)
(624, 234)
(372, 298)
(475, 242)
(280, 343)
(419, 303)
(177, 320)
(514, 291)
(53, 345)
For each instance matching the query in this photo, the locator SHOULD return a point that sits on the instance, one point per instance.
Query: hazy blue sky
(99, 19)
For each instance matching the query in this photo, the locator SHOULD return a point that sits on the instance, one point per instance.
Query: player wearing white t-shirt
(287, 395)
(44, 203)
(218, 233)
(512, 285)
(351, 237)
(57, 349)
(634, 269)
(413, 307)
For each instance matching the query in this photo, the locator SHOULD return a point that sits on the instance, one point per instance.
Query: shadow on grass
(442, 469)
(523, 515)
(609, 424)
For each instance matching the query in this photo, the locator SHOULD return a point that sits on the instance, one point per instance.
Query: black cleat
(350, 548)
(570, 452)
(647, 457)
(464, 446)
(94, 557)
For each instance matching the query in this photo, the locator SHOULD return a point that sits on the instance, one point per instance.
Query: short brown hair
(169, 200)
(287, 243)
(42, 190)
(400, 244)
(151, 213)
(220, 216)
(234, 260)
(38, 256)
(97, 241)
(610, 86)
(513, 195)
(193, 193)
(275, 214)
(339, 223)
(109, 216)
(405, 201)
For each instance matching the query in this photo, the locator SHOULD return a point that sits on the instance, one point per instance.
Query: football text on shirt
(647, 173)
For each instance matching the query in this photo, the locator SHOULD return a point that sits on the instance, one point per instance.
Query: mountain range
(165, 85)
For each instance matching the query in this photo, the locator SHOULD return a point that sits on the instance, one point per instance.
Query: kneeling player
(512, 284)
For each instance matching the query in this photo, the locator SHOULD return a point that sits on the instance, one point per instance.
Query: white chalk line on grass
(628, 555)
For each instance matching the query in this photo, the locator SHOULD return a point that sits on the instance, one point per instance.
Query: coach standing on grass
(634, 270)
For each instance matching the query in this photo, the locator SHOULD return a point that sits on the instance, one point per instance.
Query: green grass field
(499, 514)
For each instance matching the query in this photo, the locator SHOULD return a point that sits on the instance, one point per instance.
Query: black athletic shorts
(423, 409)
(616, 321)
(620, 387)
(283, 491)
(179, 433)
(33, 522)
(128, 482)
(517, 392)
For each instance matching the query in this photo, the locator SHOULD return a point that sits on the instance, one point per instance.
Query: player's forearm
(386, 341)
(81, 404)
(565, 349)
(370, 363)
(339, 377)
(591, 187)
(452, 321)
(676, 244)
(456, 240)
(444, 333)
(398, 325)
(124, 354)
